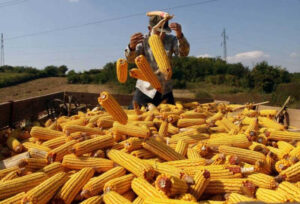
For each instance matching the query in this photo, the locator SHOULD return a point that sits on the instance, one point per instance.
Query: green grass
(10, 78)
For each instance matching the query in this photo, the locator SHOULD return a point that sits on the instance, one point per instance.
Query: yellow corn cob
(269, 123)
(245, 155)
(292, 173)
(132, 144)
(143, 154)
(285, 146)
(145, 190)
(58, 153)
(252, 129)
(193, 154)
(70, 161)
(80, 121)
(162, 150)
(52, 169)
(160, 56)
(72, 187)
(294, 155)
(131, 130)
(137, 74)
(173, 118)
(202, 148)
(4, 172)
(12, 175)
(99, 154)
(122, 69)
(163, 129)
(239, 140)
(190, 139)
(45, 133)
(268, 113)
(120, 185)
(229, 126)
(192, 114)
(170, 185)
(14, 144)
(42, 193)
(96, 184)
(263, 180)
(167, 201)
(113, 197)
(129, 195)
(36, 153)
(290, 189)
(255, 146)
(33, 163)
(138, 200)
(217, 171)
(172, 129)
(270, 196)
(93, 200)
(148, 73)
(69, 129)
(186, 163)
(187, 197)
(56, 142)
(186, 122)
(21, 184)
(215, 117)
(219, 186)
(13, 200)
(105, 123)
(181, 147)
(284, 135)
(261, 138)
(202, 178)
(281, 165)
(93, 144)
(133, 164)
(76, 136)
(237, 198)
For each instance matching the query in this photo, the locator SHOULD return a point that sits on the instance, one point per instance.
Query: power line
(11, 3)
(107, 20)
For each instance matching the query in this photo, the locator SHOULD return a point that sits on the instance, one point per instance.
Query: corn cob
(137, 74)
(294, 155)
(138, 200)
(193, 154)
(4, 172)
(187, 163)
(284, 135)
(192, 114)
(268, 113)
(148, 73)
(252, 128)
(105, 123)
(237, 198)
(14, 144)
(172, 129)
(167, 201)
(113, 197)
(93, 200)
(81, 122)
(163, 129)
(12, 175)
(52, 169)
(13, 200)
(42, 193)
(269, 123)
(36, 153)
(135, 165)
(72, 187)
(96, 184)
(170, 185)
(131, 130)
(263, 180)
(292, 173)
(270, 196)
(69, 129)
(143, 154)
(202, 179)
(162, 150)
(145, 190)
(202, 148)
(229, 126)
(33, 163)
(58, 153)
(186, 122)
(99, 154)
(120, 185)
(214, 118)
(190, 139)
(129, 195)
(160, 56)
(187, 197)
(290, 190)
(21, 184)
(56, 142)
(132, 144)
(281, 165)
(70, 161)
(90, 145)
(181, 147)
(225, 186)
(44, 133)
(239, 140)
(245, 155)
(122, 69)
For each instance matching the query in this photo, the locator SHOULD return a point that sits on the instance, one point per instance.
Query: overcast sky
(257, 30)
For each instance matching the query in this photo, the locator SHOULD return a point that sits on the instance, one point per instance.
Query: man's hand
(135, 39)
(177, 28)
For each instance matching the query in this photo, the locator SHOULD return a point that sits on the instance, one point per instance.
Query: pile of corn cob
(184, 153)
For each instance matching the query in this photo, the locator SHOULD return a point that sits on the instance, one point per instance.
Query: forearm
(183, 46)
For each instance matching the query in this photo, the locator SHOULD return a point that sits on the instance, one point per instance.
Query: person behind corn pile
(177, 45)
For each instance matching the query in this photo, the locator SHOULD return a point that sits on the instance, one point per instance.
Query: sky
(86, 34)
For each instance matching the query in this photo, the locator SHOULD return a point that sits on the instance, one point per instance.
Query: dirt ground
(57, 84)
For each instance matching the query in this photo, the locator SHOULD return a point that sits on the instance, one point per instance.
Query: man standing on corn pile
(177, 45)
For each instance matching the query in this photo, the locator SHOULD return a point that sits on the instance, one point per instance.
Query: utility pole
(224, 38)
(2, 51)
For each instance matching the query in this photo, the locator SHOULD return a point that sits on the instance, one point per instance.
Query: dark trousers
(142, 100)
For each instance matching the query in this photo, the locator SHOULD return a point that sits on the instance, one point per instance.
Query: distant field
(8, 79)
